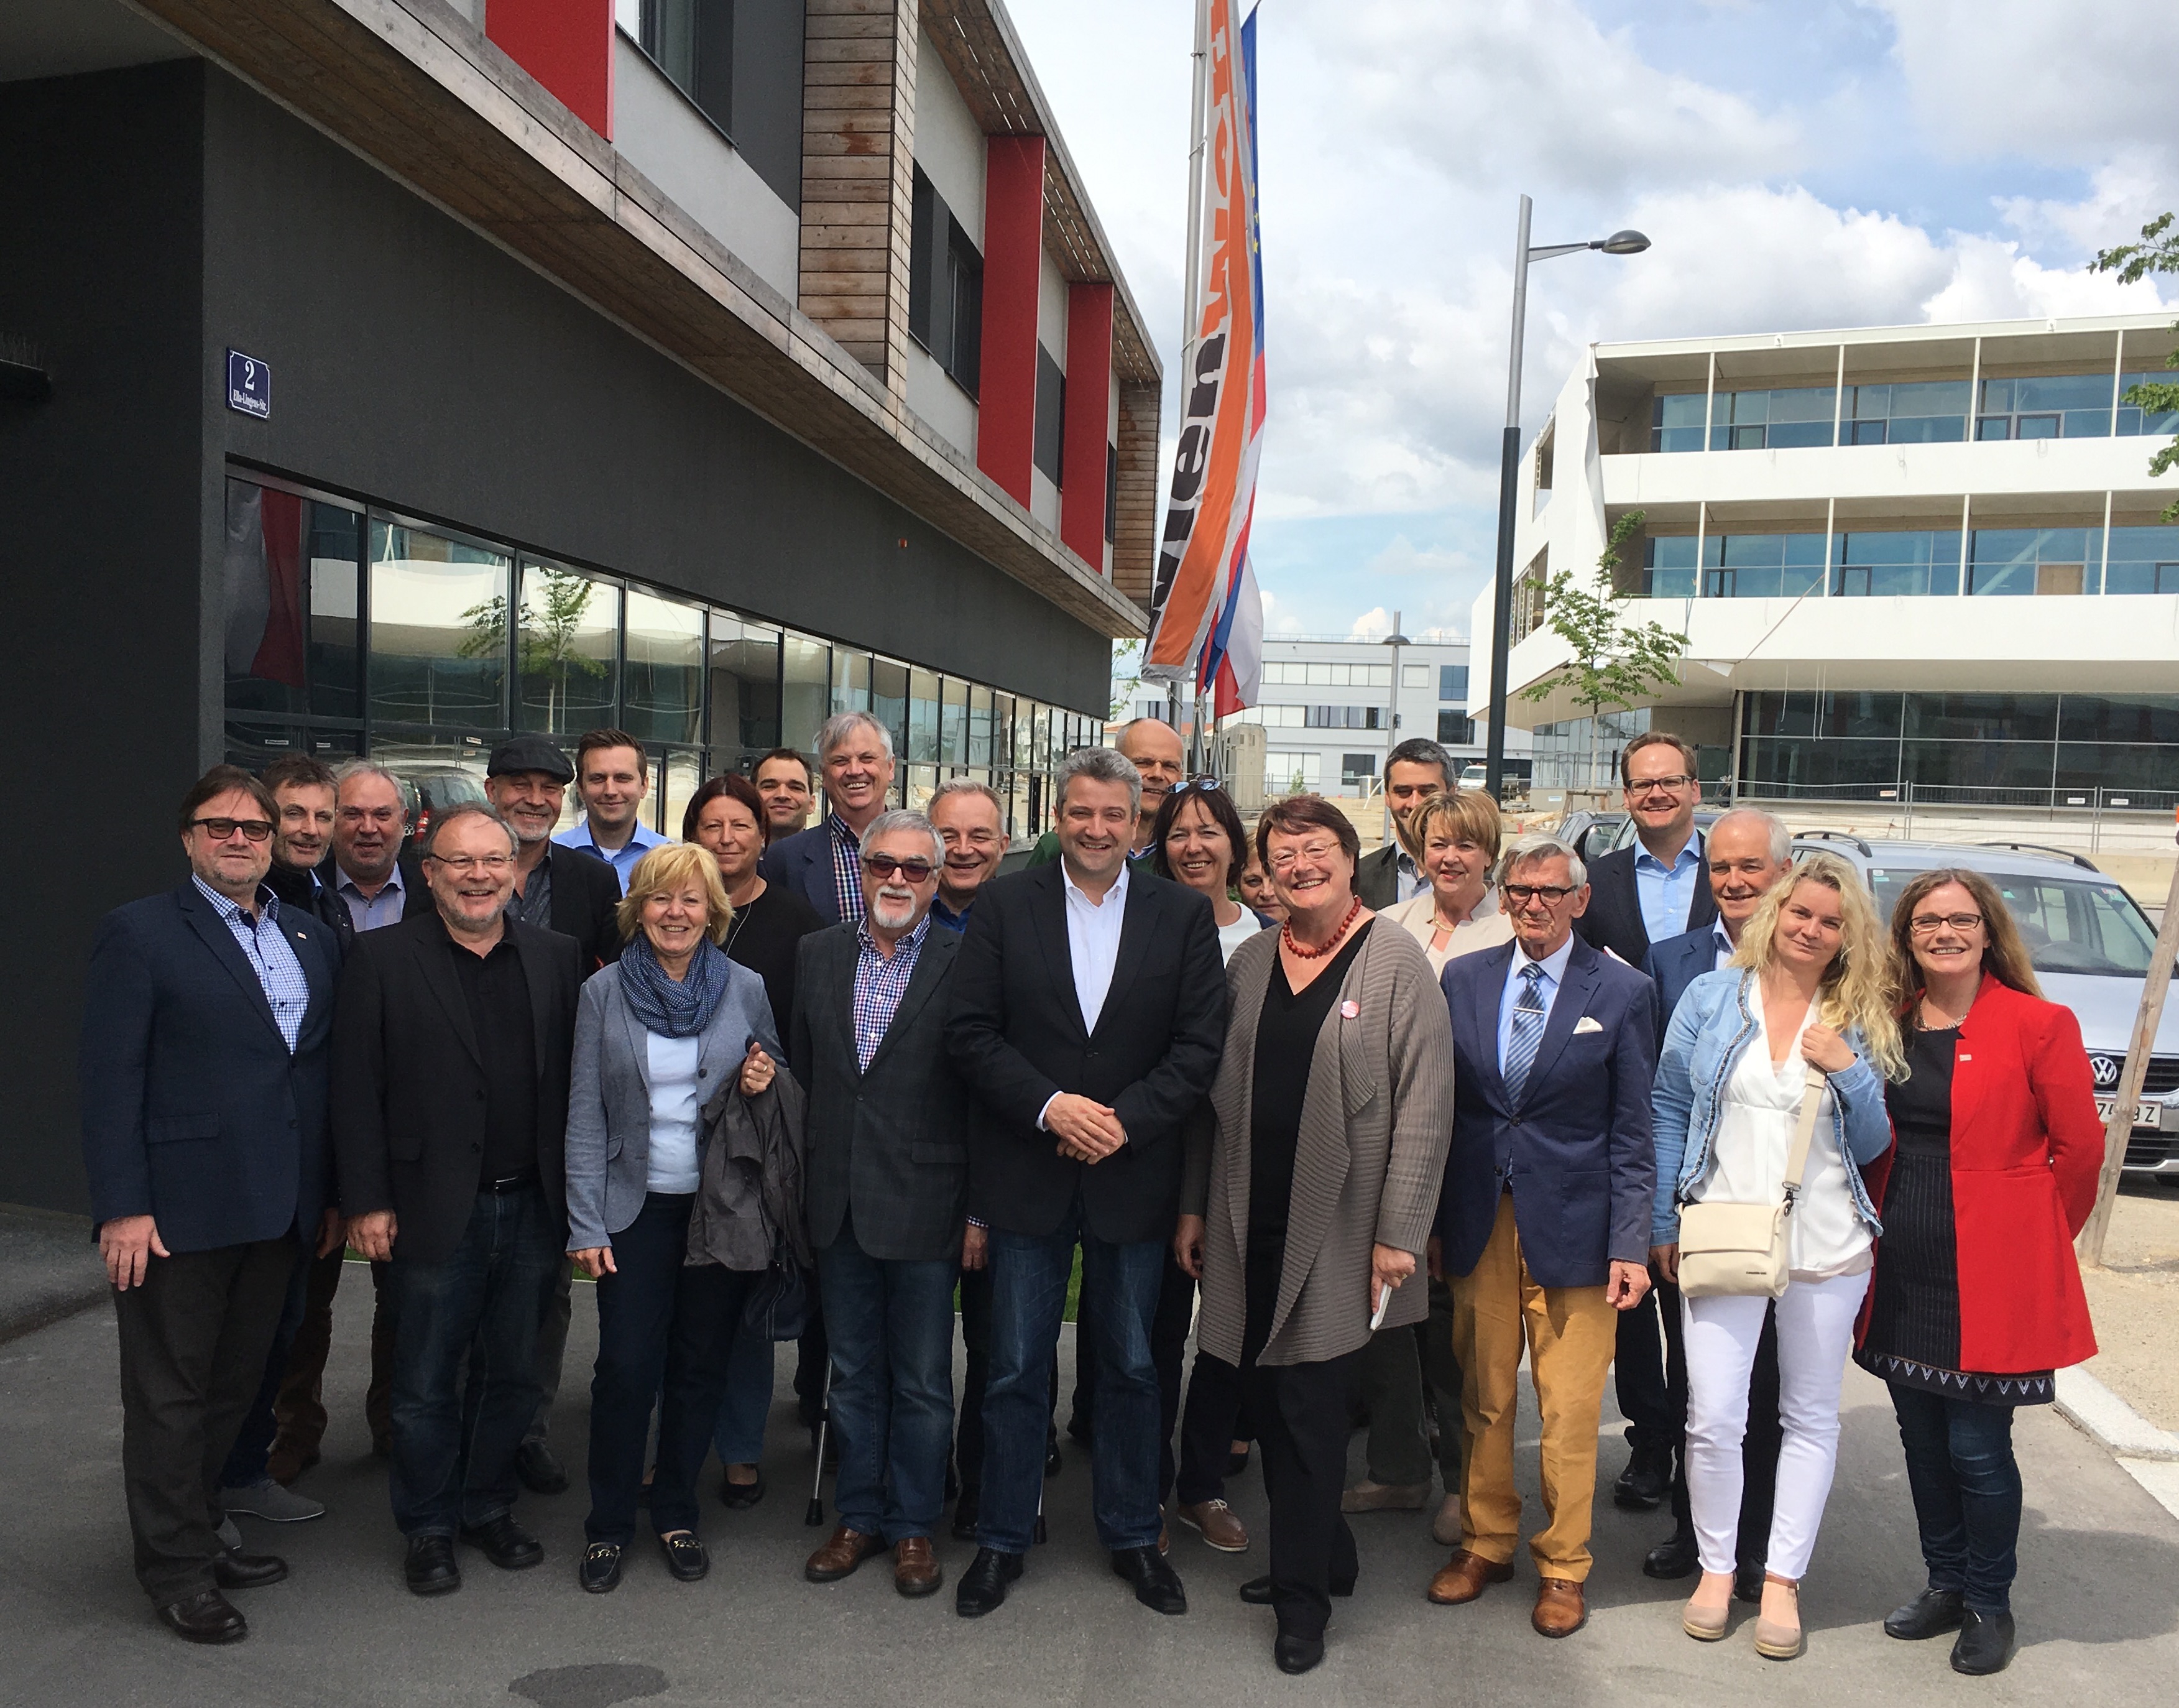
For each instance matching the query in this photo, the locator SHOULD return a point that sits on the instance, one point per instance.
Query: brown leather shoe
(914, 1572)
(846, 1549)
(1465, 1576)
(1215, 1521)
(1559, 1609)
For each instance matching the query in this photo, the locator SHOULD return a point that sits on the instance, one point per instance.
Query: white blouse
(674, 1165)
(1230, 937)
(1756, 1116)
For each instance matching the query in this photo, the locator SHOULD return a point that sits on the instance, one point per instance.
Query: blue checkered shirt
(846, 871)
(272, 956)
(880, 981)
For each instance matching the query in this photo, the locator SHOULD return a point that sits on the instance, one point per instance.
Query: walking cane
(815, 1513)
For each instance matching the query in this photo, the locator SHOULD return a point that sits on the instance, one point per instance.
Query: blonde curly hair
(1859, 988)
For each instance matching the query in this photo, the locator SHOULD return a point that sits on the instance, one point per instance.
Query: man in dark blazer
(450, 1074)
(1088, 1015)
(203, 1065)
(886, 1181)
(854, 754)
(1746, 853)
(1540, 1224)
(1653, 889)
(1414, 770)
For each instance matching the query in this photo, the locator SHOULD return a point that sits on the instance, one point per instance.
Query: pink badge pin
(1348, 1011)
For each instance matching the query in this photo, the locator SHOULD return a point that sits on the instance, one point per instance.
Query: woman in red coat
(1977, 1299)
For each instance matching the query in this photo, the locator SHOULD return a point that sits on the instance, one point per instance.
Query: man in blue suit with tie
(206, 1021)
(1541, 1223)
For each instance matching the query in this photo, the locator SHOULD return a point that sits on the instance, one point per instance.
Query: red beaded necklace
(1286, 931)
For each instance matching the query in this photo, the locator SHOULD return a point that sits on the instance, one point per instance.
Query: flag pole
(1198, 102)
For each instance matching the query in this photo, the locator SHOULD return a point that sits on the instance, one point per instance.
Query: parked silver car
(2090, 943)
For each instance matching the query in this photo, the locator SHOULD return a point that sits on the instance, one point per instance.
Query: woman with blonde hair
(1805, 1009)
(1457, 837)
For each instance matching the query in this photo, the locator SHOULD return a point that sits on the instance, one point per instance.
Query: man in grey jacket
(887, 1179)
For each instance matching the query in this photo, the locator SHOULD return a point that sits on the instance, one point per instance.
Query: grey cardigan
(1375, 1123)
(609, 1098)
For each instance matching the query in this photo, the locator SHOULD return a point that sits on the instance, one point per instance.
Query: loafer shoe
(599, 1569)
(741, 1496)
(236, 1570)
(1213, 1521)
(539, 1468)
(430, 1569)
(1675, 1556)
(204, 1617)
(1930, 1614)
(1366, 1496)
(1986, 1644)
(685, 1556)
(1157, 1586)
(915, 1569)
(1561, 1609)
(1465, 1576)
(265, 1499)
(1257, 1592)
(1294, 1653)
(983, 1586)
(846, 1550)
(505, 1543)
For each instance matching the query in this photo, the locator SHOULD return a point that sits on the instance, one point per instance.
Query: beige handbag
(1740, 1250)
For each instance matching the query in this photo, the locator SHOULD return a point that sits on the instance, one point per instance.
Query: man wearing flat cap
(569, 891)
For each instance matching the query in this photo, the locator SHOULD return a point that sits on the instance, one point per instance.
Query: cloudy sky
(1796, 163)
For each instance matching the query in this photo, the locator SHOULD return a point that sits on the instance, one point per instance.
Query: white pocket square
(1587, 1022)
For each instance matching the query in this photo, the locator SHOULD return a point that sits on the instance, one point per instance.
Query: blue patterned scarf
(674, 1009)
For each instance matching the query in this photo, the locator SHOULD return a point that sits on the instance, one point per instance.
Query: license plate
(2144, 1114)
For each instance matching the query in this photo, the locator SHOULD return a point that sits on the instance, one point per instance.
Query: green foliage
(1127, 676)
(547, 643)
(2158, 251)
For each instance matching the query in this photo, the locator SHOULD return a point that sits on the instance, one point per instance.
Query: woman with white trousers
(1807, 988)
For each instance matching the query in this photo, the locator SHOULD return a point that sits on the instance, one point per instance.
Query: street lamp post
(1509, 457)
(1396, 640)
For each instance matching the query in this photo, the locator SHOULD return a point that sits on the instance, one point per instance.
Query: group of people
(773, 1082)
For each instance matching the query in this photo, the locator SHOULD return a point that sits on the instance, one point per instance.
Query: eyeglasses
(462, 865)
(1670, 785)
(219, 829)
(1521, 894)
(883, 866)
(1284, 858)
(1922, 924)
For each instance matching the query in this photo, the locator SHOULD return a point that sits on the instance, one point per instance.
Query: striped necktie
(1527, 1033)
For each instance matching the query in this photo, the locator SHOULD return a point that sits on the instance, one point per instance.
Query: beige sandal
(1777, 1642)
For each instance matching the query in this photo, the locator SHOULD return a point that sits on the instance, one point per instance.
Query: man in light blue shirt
(371, 824)
(614, 776)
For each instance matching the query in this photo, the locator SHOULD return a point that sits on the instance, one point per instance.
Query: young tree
(1616, 662)
(1127, 675)
(550, 631)
(2158, 251)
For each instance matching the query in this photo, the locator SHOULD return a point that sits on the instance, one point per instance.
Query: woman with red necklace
(1309, 1192)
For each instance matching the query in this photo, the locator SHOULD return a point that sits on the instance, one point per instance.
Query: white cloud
(1373, 625)
(1279, 618)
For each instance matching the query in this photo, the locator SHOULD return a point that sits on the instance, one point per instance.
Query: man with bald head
(1153, 748)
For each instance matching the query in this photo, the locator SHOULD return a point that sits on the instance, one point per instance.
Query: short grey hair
(841, 725)
(1781, 839)
(354, 768)
(1099, 765)
(470, 809)
(900, 820)
(968, 785)
(1540, 845)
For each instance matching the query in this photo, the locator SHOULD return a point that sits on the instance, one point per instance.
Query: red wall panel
(567, 46)
(1013, 253)
(1089, 409)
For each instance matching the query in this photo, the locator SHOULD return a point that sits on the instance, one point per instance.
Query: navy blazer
(1613, 919)
(803, 863)
(1677, 963)
(194, 1112)
(1576, 1152)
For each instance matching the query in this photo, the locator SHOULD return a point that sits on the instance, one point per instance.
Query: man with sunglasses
(886, 1183)
(1654, 889)
(207, 1019)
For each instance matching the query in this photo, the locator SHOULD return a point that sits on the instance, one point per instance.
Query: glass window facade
(349, 631)
(1922, 411)
(1887, 563)
(1902, 563)
(2035, 560)
(2048, 406)
(2133, 419)
(1932, 413)
(1772, 421)
(2143, 560)
(1762, 566)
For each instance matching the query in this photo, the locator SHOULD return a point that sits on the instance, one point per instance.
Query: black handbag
(778, 1306)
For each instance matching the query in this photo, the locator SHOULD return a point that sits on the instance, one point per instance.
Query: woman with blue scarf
(655, 1034)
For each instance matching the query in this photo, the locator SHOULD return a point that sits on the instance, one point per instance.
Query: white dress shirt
(1547, 988)
(1093, 947)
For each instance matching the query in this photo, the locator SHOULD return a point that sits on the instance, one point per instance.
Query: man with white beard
(886, 1178)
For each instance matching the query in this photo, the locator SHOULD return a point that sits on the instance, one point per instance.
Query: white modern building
(1926, 557)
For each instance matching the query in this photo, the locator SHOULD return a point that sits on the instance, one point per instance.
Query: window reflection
(2143, 560)
(566, 652)
(2006, 561)
(744, 690)
(438, 629)
(922, 716)
(805, 667)
(1771, 421)
(1897, 563)
(889, 699)
(665, 669)
(851, 681)
(979, 726)
(2045, 406)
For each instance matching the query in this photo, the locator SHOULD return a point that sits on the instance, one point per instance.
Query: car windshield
(2083, 924)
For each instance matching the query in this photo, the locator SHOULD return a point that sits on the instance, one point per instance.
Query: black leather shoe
(685, 1557)
(1747, 1583)
(505, 1543)
(1642, 1486)
(1986, 1643)
(1157, 1586)
(599, 1569)
(983, 1586)
(1257, 1592)
(236, 1570)
(1236, 1462)
(206, 1617)
(1296, 1654)
(741, 1496)
(539, 1468)
(1675, 1557)
(430, 1567)
(1930, 1614)
(964, 1516)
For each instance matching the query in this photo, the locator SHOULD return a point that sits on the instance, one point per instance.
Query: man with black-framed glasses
(207, 1017)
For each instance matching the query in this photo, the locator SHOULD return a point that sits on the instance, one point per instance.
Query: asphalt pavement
(2098, 1600)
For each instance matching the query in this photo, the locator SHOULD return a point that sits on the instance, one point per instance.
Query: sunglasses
(883, 866)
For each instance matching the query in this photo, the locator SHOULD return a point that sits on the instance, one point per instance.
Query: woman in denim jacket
(1808, 985)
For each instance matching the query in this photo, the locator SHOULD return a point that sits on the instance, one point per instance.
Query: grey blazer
(1375, 1123)
(889, 1146)
(609, 1100)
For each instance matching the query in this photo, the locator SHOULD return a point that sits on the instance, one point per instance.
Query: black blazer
(309, 893)
(1016, 1035)
(803, 863)
(1613, 920)
(1377, 877)
(1576, 1150)
(407, 1081)
(888, 1144)
(194, 1112)
(585, 899)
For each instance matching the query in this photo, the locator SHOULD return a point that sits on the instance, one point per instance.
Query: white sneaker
(266, 1499)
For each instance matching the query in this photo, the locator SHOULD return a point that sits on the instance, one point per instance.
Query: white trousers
(1815, 1332)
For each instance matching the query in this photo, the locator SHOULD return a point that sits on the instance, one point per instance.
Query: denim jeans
(665, 1328)
(454, 1465)
(1120, 1285)
(1965, 1484)
(889, 1324)
(253, 1447)
(746, 1409)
